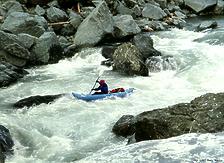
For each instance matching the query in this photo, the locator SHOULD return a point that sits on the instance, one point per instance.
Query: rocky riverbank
(34, 33)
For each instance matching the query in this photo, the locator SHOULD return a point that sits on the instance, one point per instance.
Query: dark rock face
(123, 126)
(144, 43)
(6, 143)
(127, 59)
(36, 100)
(204, 114)
(10, 74)
(206, 25)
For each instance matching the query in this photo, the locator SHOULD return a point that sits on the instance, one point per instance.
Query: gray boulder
(206, 24)
(26, 40)
(12, 50)
(12, 6)
(128, 59)
(153, 12)
(200, 5)
(39, 10)
(56, 15)
(125, 25)
(94, 27)
(204, 114)
(20, 22)
(10, 74)
(40, 51)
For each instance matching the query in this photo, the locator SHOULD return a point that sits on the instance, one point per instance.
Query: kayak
(92, 97)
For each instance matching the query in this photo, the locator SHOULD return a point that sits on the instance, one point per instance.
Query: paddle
(101, 72)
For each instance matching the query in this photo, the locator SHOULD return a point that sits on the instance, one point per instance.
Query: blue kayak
(92, 97)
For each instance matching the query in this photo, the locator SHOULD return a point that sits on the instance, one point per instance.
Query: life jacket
(117, 90)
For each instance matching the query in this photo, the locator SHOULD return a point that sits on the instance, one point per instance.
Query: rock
(200, 5)
(206, 24)
(36, 100)
(6, 143)
(40, 51)
(10, 74)
(144, 43)
(127, 59)
(56, 15)
(39, 10)
(219, 8)
(12, 6)
(153, 12)
(94, 27)
(125, 25)
(204, 114)
(123, 127)
(27, 40)
(108, 51)
(13, 50)
(19, 22)
(74, 19)
(123, 10)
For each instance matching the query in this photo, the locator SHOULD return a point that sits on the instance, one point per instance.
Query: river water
(70, 130)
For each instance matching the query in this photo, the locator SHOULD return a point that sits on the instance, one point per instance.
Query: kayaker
(103, 87)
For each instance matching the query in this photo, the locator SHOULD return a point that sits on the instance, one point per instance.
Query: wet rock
(94, 27)
(20, 22)
(36, 100)
(200, 5)
(10, 74)
(153, 12)
(204, 114)
(128, 59)
(123, 127)
(214, 38)
(161, 63)
(6, 143)
(206, 25)
(74, 19)
(125, 25)
(144, 43)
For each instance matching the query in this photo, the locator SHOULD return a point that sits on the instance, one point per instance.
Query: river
(70, 130)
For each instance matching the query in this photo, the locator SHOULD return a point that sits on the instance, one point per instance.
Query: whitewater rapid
(69, 130)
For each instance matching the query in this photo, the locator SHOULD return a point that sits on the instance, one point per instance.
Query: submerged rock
(204, 114)
(36, 100)
(200, 5)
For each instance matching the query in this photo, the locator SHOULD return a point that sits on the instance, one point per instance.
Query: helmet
(102, 82)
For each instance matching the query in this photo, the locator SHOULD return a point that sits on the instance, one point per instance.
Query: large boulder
(20, 22)
(219, 8)
(12, 50)
(125, 25)
(94, 27)
(41, 50)
(144, 43)
(202, 115)
(10, 74)
(200, 5)
(153, 12)
(128, 59)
